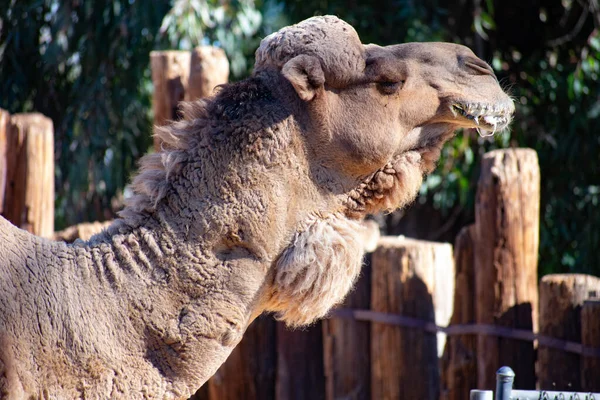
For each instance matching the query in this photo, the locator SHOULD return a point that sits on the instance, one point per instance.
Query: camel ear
(305, 74)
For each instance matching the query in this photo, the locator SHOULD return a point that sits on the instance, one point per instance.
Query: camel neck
(119, 255)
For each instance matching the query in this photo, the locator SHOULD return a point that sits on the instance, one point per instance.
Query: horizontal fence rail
(465, 329)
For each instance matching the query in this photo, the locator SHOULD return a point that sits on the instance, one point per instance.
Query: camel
(253, 205)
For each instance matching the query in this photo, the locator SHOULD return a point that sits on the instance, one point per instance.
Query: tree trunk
(300, 373)
(170, 74)
(405, 360)
(29, 196)
(561, 299)
(590, 337)
(347, 347)
(249, 372)
(209, 68)
(459, 364)
(506, 248)
(4, 127)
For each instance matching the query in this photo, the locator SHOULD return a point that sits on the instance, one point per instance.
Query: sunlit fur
(318, 269)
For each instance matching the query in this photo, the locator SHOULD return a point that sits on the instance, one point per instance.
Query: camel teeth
(493, 119)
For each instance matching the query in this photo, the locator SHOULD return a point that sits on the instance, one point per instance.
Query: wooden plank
(209, 68)
(4, 127)
(506, 248)
(184, 75)
(170, 74)
(346, 346)
(300, 371)
(590, 337)
(459, 363)
(561, 299)
(249, 372)
(404, 361)
(29, 197)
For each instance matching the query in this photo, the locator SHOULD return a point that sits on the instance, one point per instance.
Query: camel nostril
(478, 66)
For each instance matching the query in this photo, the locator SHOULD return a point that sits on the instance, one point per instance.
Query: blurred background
(85, 64)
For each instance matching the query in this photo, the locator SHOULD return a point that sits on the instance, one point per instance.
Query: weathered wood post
(348, 373)
(29, 195)
(409, 278)
(459, 363)
(300, 371)
(4, 127)
(506, 250)
(209, 68)
(170, 74)
(590, 337)
(346, 346)
(183, 75)
(561, 299)
(249, 372)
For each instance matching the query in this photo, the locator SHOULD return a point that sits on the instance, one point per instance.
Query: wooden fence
(27, 171)
(421, 323)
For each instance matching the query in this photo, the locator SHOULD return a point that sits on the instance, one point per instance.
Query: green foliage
(227, 24)
(83, 64)
(550, 55)
(86, 65)
(386, 22)
(560, 119)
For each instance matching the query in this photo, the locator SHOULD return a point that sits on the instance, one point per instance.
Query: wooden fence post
(179, 75)
(29, 196)
(506, 248)
(346, 346)
(4, 127)
(209, 68)
(590, 337)
(300, 371)
(170, 74)
(249, 372)
(459, 364)
(561, 299)
(404, 361)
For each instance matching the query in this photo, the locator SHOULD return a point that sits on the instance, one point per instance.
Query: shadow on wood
(250, 371)
(459, 361)
(300, 372)
(347, 351)
(404, 360)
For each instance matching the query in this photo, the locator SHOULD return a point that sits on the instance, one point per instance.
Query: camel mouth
(487, 119)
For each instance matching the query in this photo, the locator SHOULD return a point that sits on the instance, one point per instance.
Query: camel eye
(389, 87)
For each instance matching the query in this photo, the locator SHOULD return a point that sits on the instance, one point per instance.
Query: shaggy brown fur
(253, 206)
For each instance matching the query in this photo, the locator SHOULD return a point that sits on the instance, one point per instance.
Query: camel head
(378, 116)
